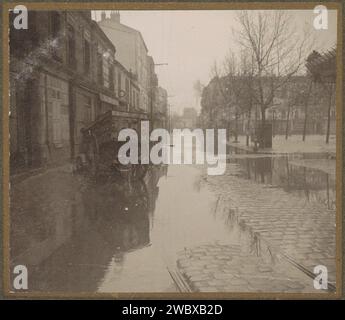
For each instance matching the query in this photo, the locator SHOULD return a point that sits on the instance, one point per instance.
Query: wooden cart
(100, 145)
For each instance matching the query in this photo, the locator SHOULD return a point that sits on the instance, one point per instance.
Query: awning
(108, 99)
(130, 115)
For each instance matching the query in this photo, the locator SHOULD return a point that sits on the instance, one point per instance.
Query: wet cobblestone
(300, 229)
(240, 272)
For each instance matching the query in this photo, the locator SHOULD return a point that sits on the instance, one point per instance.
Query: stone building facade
(63, 75)
(161, 111)
(132, 53)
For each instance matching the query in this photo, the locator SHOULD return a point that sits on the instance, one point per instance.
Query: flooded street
(160, 150)
(113, 236)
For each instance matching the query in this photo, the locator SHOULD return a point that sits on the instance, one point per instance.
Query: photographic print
(172, 149)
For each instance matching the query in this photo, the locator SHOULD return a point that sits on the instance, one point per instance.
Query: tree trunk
(248, 128)
(229, 131)
(236, 128)
(329, 114)
(305, 121)
(287, 123)
(306, 112)
(273, 124)
(262, 130)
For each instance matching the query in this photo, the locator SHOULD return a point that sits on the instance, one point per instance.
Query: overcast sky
(190, 42)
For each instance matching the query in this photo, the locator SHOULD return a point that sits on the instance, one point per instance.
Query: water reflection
(104, 221)
(239, 233)
(314, 185)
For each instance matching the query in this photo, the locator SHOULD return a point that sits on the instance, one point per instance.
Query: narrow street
(167, 150)
(214, 233)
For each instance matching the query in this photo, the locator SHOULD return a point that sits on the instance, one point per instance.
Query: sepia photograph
(176, 151)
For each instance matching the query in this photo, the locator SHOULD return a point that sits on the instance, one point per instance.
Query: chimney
(115, 16)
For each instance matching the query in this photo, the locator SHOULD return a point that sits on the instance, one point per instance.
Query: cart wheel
(93, 158)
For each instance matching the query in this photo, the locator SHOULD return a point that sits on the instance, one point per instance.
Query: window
(127, 91)
(114, 77)
(100, 68)
(23, 41)
(87, 52)
(87, 109)
(119, 84)
(106, 67)
(111, 78)
(32, 27)
(55, 24)
(133, 97)
(71, 47)
(55, 29)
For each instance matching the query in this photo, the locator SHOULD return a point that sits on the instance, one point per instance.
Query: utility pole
(169, 113)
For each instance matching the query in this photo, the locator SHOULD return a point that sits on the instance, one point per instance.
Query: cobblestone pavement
(302, 230)
(216, 267)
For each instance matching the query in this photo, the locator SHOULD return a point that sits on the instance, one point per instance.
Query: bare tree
(306, 94)
(234, 83)
(224, 96)
(330, 88)
(245, 95)
(278, 53)
(233, 88)
(322, 70)
(297, 92)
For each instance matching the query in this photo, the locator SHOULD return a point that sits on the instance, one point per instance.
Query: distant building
(161, 110)
(189, 118)
(286, 113)
(126, 88)
(176, 121)
(131, 52)
(152, 80)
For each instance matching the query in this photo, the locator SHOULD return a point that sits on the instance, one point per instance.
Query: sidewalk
(294, 144)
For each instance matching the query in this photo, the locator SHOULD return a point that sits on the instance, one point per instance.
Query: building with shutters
(63, 75)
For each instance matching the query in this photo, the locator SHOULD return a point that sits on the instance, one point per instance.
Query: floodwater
(113, 236)
(305, 178)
